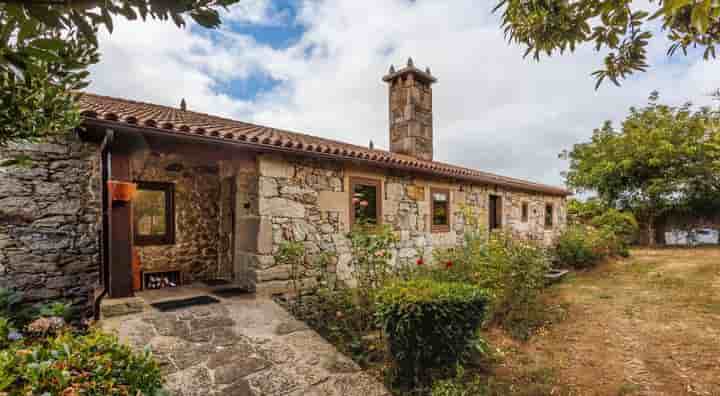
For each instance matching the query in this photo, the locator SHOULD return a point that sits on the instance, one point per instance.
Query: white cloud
(493, 109)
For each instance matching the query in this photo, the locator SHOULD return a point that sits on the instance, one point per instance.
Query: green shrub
(621, 224)
(584, 246)
(70, 364)
(577, 247)
(429, 324)
(512, 271)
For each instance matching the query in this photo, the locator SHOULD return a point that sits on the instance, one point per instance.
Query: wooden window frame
(551, 219)
(524, 212)
(439, 227)
(362, 181)
(169, 237)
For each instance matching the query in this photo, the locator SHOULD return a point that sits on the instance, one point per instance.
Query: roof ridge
(212, 116)
(151, 115)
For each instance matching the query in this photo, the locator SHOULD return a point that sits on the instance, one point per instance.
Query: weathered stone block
(281, 207)
(268, 187)
(279, 272)
(275, 166)
(333, 201)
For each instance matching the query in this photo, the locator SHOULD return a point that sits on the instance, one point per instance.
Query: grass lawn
(647, 325)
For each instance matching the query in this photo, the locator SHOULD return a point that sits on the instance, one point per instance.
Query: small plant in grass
(428, 324)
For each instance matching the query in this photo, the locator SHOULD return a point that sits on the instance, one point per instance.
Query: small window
(495, 212)
(549, 215)
(364, 201)
(154, 214)
(440, 210)
(524, 214)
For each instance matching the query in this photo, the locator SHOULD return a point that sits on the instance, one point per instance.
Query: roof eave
(260, 147)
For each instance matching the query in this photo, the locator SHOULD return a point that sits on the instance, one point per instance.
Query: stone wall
(198, 191)
(307, 201)
(50, 216)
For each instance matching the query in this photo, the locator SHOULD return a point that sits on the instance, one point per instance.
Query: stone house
(215, 198)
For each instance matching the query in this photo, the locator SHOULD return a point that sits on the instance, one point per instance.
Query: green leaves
(429, 324)
(662, 158)
(47, 47)
(620, 27)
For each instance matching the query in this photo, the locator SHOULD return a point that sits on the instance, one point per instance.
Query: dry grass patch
(647, 325)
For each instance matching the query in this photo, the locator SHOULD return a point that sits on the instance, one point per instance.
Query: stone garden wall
(307, 201)
(198, 243)
(50, 221)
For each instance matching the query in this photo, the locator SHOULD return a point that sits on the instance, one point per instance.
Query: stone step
(111, 307)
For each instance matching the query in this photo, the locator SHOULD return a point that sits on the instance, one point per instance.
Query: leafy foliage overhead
(622, 28)
(46, 48)
(663, 157)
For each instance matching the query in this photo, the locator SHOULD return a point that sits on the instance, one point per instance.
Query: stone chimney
(411, 121)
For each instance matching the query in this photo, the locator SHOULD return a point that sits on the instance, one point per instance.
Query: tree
(663, 158)
(46, 48)
(624, 28)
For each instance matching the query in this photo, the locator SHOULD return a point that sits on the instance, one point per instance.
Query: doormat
(172, 305)
(216, 282)
(230, 292)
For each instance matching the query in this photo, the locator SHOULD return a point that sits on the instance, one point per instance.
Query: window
(365, 203)
(524, 214)
(154, 214)
(495, 212)
(549, 215)
(440, 210)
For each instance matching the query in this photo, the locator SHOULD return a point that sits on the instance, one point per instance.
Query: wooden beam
(121, 232)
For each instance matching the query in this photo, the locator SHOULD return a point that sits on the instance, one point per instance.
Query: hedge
(429, 324)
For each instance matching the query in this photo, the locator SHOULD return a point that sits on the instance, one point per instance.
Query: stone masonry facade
(50, 216)
(231, 216)
(308, 201)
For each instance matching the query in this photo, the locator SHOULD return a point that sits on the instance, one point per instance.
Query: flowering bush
(429, 324)
(70, 364)
(512, 271)
(40, 354)
(371, 266)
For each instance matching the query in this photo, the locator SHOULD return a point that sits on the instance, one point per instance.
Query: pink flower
(363, 203)
(355, 201)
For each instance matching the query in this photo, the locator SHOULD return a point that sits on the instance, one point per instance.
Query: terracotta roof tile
(183, 122)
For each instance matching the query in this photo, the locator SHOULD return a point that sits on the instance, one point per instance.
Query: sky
(316, 66)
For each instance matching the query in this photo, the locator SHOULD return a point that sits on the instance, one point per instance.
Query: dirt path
(648, 325)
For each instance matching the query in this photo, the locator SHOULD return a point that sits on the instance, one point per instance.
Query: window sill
(439, 229)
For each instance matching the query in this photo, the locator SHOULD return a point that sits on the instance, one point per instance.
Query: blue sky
(315, 66)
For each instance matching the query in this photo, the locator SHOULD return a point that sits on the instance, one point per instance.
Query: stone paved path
(241, 347)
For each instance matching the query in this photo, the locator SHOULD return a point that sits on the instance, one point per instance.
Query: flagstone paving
(243, 346)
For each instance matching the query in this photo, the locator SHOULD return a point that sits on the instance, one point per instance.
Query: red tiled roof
(122, 112)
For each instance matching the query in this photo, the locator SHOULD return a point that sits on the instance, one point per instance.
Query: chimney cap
(420, 75)
(183, 104)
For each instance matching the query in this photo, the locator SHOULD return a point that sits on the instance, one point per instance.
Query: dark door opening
(495, 212)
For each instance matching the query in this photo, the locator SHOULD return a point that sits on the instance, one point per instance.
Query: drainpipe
(104, 260)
